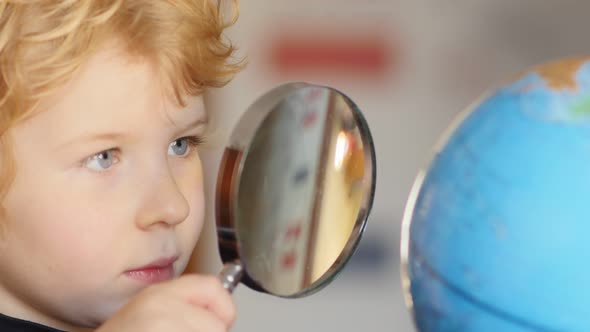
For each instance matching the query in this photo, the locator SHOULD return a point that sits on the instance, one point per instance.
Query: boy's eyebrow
(91, 137)
(105, 136)
(200, 121)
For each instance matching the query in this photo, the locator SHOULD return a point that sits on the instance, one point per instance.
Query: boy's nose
(163, 203)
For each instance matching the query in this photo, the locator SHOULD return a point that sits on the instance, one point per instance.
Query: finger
(206, 292)
(184, 316)
(202, 320)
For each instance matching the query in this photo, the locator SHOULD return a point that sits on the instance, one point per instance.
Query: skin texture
(105, 183)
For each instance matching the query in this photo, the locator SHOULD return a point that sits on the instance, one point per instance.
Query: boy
(101, 113)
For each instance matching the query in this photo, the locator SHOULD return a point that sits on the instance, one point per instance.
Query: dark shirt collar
(11, 324)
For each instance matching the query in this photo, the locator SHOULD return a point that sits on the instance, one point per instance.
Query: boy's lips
(159, 270)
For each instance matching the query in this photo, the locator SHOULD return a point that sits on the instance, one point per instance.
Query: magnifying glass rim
(230, 174)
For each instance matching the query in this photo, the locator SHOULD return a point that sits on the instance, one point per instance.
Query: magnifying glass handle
(231, 274)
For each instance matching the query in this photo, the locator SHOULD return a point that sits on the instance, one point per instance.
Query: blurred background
(411, 66)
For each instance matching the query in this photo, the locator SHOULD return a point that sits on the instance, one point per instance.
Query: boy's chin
(92, 314)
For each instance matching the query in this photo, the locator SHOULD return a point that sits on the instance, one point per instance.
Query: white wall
(450, 51)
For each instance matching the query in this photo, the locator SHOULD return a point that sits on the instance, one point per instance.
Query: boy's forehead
(113, 85)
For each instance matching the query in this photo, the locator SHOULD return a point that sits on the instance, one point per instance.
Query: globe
(496, 232)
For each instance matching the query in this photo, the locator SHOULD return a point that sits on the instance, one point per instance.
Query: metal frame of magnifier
(229, 179)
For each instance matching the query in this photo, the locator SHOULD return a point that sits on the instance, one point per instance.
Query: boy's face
(105, 184)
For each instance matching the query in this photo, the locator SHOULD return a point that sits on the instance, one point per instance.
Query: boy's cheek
(190, 229)
(195, 219)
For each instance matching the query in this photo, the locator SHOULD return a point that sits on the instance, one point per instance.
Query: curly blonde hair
(44, 42)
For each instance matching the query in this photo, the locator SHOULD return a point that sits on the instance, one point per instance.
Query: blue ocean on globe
(497, 235)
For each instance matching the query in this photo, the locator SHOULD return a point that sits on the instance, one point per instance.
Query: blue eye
(101, 161)
(183, 146)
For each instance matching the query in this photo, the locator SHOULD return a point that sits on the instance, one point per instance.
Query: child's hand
(190, 303)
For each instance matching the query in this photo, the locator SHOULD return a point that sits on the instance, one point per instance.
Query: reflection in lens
(301, 191)
(341, 149)
(341, 195)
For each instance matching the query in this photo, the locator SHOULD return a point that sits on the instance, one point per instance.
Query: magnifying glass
(294, 190)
